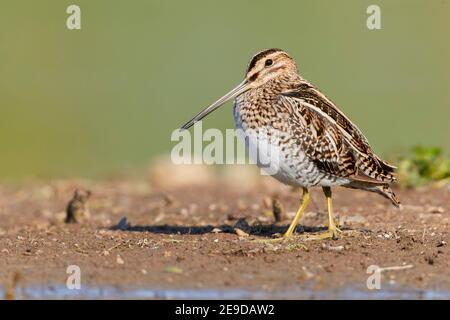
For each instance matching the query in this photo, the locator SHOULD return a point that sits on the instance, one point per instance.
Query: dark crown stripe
(260, 56)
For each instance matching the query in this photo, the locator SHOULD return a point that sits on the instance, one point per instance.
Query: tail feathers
(374, 168)
(387, 166)
(380, 188)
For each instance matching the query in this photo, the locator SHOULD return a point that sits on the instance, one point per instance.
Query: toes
(336, 232)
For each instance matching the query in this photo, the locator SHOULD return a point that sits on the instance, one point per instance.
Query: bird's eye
(268, 62)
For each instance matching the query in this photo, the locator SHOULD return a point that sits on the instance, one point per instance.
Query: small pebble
(119, 260)
(241, 233)
(123, 224)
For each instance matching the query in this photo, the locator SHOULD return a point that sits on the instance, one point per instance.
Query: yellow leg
(332, 229)
(298, 215)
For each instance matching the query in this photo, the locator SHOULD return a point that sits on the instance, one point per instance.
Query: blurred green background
(104, 99)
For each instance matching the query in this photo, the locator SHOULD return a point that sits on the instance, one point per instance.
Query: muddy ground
(185, 237)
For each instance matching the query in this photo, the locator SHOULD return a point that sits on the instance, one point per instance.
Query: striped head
(269, 64)
(264, 66)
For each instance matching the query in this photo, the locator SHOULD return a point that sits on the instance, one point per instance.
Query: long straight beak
(240, 89)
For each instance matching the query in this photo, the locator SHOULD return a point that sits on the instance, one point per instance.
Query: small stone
(355, 219)
(441, 243)
(119, 260)
(332, 248)
(309, 214)
(167, 254)
(433, 209)
(123, 224)
(308, 274)
(168, 199)
(241, 233)
(159, 217)
(277, 235)
(429, 259)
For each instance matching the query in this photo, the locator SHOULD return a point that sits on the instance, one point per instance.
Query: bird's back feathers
(348, 153)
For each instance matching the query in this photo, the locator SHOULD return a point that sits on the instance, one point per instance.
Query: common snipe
(315, 143)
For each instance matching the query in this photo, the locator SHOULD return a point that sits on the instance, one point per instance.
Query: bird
(313, 142)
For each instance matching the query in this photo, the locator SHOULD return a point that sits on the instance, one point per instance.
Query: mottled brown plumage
(292, 105)
(316, 144)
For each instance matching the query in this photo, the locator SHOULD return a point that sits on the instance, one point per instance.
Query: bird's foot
(332, 233)
(335, 232)
(280, 238)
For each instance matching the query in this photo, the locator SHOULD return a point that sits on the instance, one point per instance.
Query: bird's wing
(332, 138)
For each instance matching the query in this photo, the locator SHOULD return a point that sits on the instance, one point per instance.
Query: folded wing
(330, 139)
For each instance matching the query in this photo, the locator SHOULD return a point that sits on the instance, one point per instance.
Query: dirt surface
(185, 237)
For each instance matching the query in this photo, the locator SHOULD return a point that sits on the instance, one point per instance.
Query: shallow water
(105, 292)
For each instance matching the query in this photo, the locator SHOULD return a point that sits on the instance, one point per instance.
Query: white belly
(278, 157)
